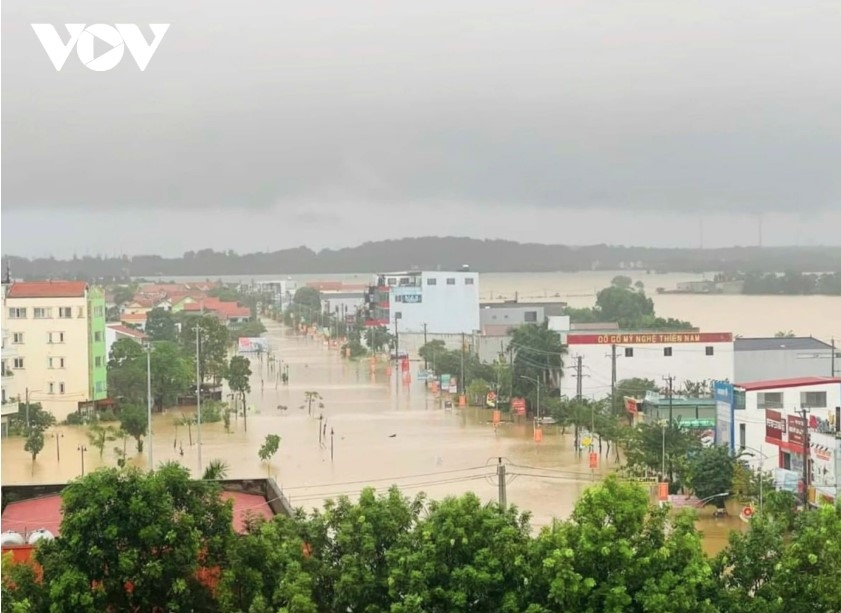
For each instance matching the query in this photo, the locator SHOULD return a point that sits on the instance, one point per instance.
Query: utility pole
(425, 365)
(500, 473)
(670, 379)
(578, 382)
(461, 380)
(27, 410)
(198, 393)
(331, 444)
(149, 403)
(397, 364)
(613, 378)
(803, 414)
(832, 359)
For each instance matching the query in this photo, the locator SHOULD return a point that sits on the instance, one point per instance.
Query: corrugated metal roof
(798, 343)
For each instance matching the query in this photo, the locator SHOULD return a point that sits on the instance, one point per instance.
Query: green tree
(160, 325)
(215, 470)
(214, 340)
(618, 555)
(268, 570)
(239, 380)
(432, 350)
(149, 529)
(172, 373)
(99, 436)
(648, 442)
(34, 442)
(622, 282)
(23, 591)
(135, 422)
(250, 329)
(712, 471)
(127, 371)
(311, 398)
(463, 556)
(269, 448)
(308, 299)
(538, 354)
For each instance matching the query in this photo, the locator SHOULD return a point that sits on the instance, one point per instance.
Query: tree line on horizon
(431, 253)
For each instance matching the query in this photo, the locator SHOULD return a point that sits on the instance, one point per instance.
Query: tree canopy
(145, 541)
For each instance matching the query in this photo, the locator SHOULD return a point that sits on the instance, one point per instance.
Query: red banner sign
(649, 338)
(775, 425)
(796, 430)
(518, 405)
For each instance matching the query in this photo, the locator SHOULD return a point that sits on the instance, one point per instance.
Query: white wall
(445, 309)
(754, 418)
(36, 352)
(688, 362)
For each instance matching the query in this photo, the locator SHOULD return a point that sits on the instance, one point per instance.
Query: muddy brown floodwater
(385, 432)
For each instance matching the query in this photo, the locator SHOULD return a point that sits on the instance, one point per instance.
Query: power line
(363, 481)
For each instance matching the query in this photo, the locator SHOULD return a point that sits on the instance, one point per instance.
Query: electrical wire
(364, 481)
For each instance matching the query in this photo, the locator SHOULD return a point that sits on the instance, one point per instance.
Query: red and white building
(684, 356)
(785, 422)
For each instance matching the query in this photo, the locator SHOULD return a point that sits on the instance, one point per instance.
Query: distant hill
(435, 252)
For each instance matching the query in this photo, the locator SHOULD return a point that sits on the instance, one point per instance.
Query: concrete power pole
(613, 378)
(832, 360)
(803, 413)
(500, 473)
(579, 381)
(670, 380)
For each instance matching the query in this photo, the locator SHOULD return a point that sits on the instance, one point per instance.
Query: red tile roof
(222, 309)
(127, 331)
(45, 512)
(755, 386)
(48, 289)
(133, 317)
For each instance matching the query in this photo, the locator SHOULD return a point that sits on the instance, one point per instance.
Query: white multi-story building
(438, 302)
(10, 402)
(57, 329)
(775, 420)
(683, 356)
(281, 291)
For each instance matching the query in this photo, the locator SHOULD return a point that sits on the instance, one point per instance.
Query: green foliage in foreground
(389, 553)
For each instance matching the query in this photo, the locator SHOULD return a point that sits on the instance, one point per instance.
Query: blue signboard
(723, 393)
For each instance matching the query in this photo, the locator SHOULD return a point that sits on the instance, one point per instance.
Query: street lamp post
(58, 435)
(750, 452)
(663, 426)
(82, 449)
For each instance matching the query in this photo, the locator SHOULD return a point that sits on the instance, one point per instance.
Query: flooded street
(385, 432)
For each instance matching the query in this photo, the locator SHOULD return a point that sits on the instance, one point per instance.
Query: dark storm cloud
(615, 105)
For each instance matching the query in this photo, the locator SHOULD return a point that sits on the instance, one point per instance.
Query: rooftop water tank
(40, 535)
(10, 537)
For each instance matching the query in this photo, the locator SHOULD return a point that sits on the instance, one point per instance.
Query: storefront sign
(796, 430)
(775, 426)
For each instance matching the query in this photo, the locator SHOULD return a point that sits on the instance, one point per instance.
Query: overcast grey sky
(264, 125)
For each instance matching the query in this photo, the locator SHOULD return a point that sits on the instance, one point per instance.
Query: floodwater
(743, 315)
(376, 430)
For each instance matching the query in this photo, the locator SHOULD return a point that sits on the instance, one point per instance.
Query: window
(61, 388)
(742, 435)
(813, 400)
(392, 280)
(769, 400)
(451, 280)
(530, 316)
(65, 312)
(100, 386)
(51, 388)
(398, 315)
(55, 362)
(469, 280)
(80, 312)
(667, 352)
(709, 350)
(17, 363)
(97, 337)
(98, 311)
(629, 352)
(431, 281)
(42, 313)
(97, 361)
(17, 338)
(739, 400)
(15, 313)
(55, 337)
